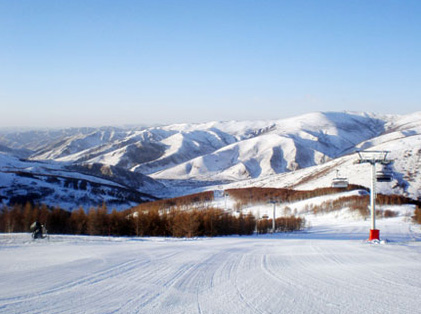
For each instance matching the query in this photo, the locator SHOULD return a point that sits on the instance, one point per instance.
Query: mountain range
(125, 166)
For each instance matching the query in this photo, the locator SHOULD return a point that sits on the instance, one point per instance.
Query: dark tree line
(174, 222)
(98, 221)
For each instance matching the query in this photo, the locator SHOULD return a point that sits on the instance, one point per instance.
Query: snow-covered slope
(77, 143)
(286, 145)
(402, 137)
(70, 187)
(327, 268)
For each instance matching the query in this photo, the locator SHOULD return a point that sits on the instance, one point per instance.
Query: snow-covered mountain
(281, 146)
(401, 137)
(71, 186)
(199, 151)
(301, 152)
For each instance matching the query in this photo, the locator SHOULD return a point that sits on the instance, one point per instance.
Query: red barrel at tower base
(374, 234)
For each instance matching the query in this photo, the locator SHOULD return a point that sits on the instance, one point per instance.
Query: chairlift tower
(274, 210)
(373, 158)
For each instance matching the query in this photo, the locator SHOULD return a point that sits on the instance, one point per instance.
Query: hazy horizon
(145, 126)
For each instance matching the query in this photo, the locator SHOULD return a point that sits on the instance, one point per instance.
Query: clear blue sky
(91, 63)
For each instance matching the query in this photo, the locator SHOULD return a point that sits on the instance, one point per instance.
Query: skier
(37, 230)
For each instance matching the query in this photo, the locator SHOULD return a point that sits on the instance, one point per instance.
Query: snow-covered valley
(327, 268)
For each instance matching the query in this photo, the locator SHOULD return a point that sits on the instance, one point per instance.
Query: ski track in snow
(330, 269)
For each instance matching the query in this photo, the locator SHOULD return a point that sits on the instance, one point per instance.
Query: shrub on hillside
(282, 224)
(417, 215)
(386, 213)
(289, 224)
(354, 203)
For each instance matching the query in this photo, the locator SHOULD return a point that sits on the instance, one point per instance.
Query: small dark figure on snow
(37, 230)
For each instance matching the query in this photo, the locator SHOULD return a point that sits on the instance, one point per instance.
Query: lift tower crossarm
(373, 157)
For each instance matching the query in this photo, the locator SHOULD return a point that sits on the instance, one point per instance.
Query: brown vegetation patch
(176, 222)
(202, 199)
(282, 224)
(417, 215)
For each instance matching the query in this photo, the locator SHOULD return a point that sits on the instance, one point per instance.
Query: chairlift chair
(339, 182)
(384, 175)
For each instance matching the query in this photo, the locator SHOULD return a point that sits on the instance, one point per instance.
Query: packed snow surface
(328, 268)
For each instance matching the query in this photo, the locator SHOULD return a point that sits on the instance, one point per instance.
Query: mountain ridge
(176, 159)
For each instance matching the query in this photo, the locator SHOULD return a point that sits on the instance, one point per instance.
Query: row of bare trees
(154, 222)
(176, 222)
(360, 203)
(257, 195)
(194, 222)
(187, 216)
